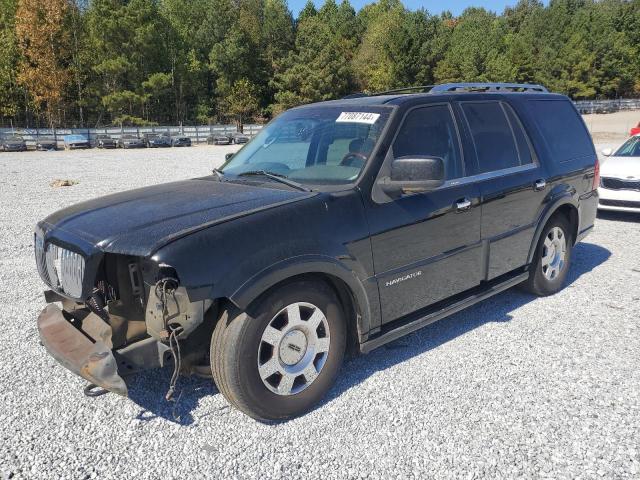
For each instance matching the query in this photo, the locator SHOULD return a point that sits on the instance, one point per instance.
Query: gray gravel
(515, 386)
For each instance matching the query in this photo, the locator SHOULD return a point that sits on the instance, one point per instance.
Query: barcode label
(358, 117)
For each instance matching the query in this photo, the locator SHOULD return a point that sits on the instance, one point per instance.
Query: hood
(621, 167)
(139, 222)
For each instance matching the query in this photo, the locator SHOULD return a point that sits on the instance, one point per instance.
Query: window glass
(524, 148)
(344, 138)
(321, 145)
(631, 148)
(492, 136)
(430, 131)
(562, 128)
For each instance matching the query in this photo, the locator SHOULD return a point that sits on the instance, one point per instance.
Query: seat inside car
(361, 146)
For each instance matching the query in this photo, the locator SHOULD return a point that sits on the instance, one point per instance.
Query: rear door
(512, 183)
(426, 246)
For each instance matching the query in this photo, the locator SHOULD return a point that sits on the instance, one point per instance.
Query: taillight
(596, 175)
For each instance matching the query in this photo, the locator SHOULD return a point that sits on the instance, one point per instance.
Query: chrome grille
(61, 269)
(41, 260)
(620, 184)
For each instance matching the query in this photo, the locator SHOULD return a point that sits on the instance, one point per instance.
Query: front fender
(362, 291)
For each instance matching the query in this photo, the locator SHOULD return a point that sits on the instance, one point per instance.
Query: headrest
(361, 145)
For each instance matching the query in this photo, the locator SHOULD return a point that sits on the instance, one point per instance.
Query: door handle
(539, 185)
(463, 205)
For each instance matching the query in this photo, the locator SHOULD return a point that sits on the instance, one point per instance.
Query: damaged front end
(136, 317)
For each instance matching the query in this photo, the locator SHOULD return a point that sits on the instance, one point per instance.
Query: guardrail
(607, 106)
(197, 134)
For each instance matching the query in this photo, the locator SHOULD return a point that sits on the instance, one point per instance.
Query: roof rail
(419, 88)
(458, 87)
(488, 87)
(415, 89)
(355, 95)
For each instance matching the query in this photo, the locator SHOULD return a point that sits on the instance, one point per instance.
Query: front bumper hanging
(85, 349)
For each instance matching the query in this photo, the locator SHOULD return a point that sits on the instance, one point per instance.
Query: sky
(433, 6)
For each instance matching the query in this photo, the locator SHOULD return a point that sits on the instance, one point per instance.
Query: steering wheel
(349, 158)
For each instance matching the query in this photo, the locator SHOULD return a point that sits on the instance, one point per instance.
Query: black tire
(238, 335)
(538, 283)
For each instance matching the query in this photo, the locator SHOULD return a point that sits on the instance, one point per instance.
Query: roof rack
(488, 87)
(458, 87)
(419, 88)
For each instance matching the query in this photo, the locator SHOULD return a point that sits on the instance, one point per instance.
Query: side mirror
(415, 174)
(228, 156)
(607, 152)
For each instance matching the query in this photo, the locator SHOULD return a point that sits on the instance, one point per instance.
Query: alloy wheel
(294, 348)
(554, 253)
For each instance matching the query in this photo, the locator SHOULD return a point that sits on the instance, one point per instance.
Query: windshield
(319, 145)
(630, 148)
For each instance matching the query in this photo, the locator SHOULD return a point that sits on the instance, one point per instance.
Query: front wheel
(552, 258)
(278, 361)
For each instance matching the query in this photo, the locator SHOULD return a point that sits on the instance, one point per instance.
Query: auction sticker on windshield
(358, 117)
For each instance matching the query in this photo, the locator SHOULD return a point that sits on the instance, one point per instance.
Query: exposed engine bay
(136, 318)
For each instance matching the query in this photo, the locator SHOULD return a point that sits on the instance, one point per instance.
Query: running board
(417, 324)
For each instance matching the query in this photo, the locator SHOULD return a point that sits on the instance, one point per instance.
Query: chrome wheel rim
(554, 253)
(294, 348)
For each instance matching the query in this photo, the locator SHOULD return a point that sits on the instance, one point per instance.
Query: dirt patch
(59, 182)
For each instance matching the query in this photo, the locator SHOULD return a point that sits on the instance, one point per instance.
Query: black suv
(342, 224)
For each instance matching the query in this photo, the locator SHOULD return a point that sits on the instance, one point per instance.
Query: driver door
(426, 246)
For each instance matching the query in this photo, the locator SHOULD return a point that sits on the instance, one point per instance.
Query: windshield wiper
(275, 176)
(218, 173)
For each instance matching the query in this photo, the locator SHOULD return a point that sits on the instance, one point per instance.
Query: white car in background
(620, 177)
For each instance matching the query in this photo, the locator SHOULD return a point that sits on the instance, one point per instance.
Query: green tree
(241, 102)
(10, 92)
(318, 69)
(278, 32)
(308, 11)
(375, 63)
(129, 41)
(473, 38)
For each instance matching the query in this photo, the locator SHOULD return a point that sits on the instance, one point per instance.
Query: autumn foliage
(44, 44)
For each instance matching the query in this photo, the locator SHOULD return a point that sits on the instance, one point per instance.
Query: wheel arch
(351, 291)
(566, 206)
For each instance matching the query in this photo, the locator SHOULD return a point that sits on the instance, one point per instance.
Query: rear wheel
(551, 261)
(280, 360)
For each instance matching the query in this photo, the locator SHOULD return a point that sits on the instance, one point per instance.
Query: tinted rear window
(563, 130)
(492, 136)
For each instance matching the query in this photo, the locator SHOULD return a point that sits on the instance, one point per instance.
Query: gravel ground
(516, 386)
